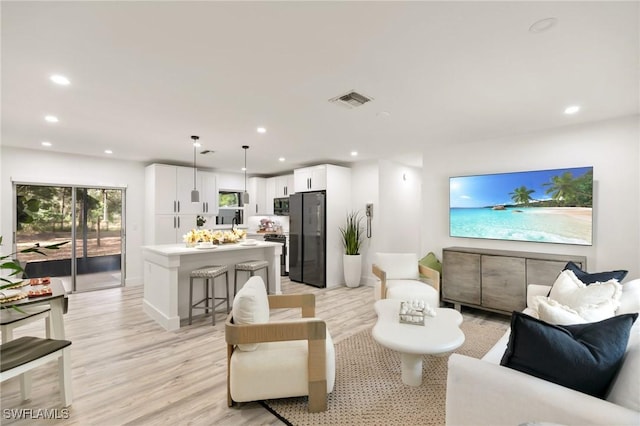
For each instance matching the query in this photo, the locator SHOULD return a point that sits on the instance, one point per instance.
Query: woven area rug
(369, 391)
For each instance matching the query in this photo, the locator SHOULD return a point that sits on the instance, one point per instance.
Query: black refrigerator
(308, 238)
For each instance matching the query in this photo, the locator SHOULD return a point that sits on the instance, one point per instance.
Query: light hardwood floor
(128, 370)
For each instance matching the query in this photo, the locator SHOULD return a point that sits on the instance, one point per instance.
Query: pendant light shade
(245, 194)
(195, 195)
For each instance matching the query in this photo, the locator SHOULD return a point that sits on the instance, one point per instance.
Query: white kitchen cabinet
(284, 186)
(184, 186)
(169, 189)
(169, 212)
(270, 194)
(310, 178)
(208, 193)
(170, 228)
(257, 196)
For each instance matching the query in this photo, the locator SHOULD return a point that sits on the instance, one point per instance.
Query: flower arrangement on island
(216, 237)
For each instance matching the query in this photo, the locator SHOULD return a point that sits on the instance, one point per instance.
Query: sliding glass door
(91, 220)
(99, 238)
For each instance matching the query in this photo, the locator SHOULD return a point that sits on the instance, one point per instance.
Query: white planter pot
(352, 265)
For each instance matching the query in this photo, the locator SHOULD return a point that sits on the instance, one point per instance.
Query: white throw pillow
(251, 306)
(398, 265)
(630, 299)
(570, 291)
(553, 312)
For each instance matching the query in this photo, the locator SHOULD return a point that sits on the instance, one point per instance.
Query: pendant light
(195, 195)
(245, 195)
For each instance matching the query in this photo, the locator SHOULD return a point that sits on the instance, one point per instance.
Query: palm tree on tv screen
(521, 195)
(567, 191)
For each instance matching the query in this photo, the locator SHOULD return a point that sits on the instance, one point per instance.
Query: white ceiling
(145, 76)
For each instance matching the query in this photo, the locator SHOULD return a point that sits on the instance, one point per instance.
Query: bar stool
(250, 266)
(209, 273)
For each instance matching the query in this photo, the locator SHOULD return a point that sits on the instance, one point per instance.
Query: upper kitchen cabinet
(169, 190)
(270, 194)
(208, 193)
(169, 212)
(310, 178)
(257, 197)
(284, 186)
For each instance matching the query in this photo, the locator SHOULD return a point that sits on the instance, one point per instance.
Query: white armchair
(399, 275)
(268, 359)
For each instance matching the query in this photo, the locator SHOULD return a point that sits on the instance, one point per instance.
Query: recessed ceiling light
(281, 159)
(51, 118)
(243, 169)
(572, 109)
(45, 143)
(108, 151)
(60, 79)
(261, 130)
(354, 153)
(543, 25)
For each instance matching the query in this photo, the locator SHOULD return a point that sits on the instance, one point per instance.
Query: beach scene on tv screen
(552, 206)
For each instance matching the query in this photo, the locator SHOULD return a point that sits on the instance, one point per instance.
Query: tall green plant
(352, 233)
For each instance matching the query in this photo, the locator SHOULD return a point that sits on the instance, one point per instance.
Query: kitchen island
(167, 268)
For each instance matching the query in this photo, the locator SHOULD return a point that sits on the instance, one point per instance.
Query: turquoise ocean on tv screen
(523, 224)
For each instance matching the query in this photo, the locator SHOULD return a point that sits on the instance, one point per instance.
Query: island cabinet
(167, 269)
(496, 280)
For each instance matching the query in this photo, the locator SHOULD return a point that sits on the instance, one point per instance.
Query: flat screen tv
(549, 206)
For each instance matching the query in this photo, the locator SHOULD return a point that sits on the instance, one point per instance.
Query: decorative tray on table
(39, 291)
(11, 295)
(40, 281)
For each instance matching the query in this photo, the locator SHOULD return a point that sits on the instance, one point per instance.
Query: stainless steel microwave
(281, 206)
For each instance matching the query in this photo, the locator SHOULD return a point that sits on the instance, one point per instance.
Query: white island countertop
(167, 268)
(182, 249)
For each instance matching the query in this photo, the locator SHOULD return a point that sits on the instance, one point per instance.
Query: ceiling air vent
(351, 100)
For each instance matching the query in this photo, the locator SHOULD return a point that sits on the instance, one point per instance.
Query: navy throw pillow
(583, 357)
(588, 278)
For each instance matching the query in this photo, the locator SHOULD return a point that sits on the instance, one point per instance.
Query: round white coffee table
(439, 336)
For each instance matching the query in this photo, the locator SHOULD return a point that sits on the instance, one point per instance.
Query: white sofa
(482, 392)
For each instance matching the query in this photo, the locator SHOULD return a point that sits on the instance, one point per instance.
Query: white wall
(611, 147)
(364, 182)
(38, 166)
(395, 191)
(400, 206)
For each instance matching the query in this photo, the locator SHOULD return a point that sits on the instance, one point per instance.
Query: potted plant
(351, 240)
(11, 270)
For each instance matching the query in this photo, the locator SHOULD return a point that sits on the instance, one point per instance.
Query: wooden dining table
(34, 308)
